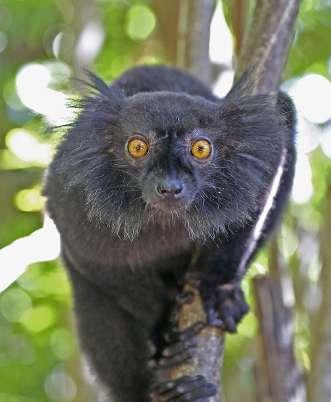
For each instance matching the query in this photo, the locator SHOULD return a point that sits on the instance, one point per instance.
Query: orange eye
(137, 148)
(201, 149)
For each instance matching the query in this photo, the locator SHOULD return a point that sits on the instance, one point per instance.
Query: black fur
(126, 253)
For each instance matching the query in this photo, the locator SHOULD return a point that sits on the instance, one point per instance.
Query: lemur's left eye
(138, 147)
(201, 149)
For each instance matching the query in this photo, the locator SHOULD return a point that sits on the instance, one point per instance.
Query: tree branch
(168, 16)
(238, 21)
(193, 42)
(207, 356)
(283, 380)
(267, 43)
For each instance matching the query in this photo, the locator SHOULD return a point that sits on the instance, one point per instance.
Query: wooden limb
(279, 376)
(267, 42)
(168, 16)
(193, 40)
(238, 12)
(320, 377)
(208, 354)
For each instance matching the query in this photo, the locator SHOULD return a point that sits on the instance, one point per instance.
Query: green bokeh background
(39, 361)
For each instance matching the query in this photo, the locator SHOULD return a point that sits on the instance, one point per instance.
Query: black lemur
(154, 168)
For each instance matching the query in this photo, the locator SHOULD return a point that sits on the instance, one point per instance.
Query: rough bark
(320, 376)
(193, 40)
(267, 42)
(280, 378)
(207, 357)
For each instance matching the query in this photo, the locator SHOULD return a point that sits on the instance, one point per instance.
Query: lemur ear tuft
(277, 102)
(242, 87)
(110, 93)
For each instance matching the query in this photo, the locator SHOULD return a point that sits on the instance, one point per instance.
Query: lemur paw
(179, 346)
(184, 389)
(225, 305)
(178, 350)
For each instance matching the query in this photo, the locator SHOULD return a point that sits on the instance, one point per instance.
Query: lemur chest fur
(154, 246)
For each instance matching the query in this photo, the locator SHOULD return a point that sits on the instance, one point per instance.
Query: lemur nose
(169, 188)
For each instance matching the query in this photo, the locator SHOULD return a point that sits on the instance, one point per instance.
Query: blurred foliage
(38, 348)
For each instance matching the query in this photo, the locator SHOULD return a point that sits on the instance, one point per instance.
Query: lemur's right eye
(138, 147)
(201, 149)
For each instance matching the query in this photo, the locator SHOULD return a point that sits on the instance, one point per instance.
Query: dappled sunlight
(22, 143)
(302, 189)
(41, 245)
(140, 22)
(221, 41)
(29, 200)
(59, 386)
(32, 83)
(221, 54)
(326, 141)
(89, 42)
(312, 96)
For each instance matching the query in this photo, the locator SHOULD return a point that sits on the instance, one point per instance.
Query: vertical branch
(207, 357)
(184, 28)
(320, 380)
(267, 42)
(265, 50)
(168, 26)
(194, 33)
(238, 23)
(283, 380)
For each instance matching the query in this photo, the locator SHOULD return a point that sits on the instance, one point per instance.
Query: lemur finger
(184, 389)
(179, 347)
(175, 360)
(199, 393)
(184, 298)
(162, 387)
(184, 386)
(229, 324)
(175, 336)
(151, 349)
